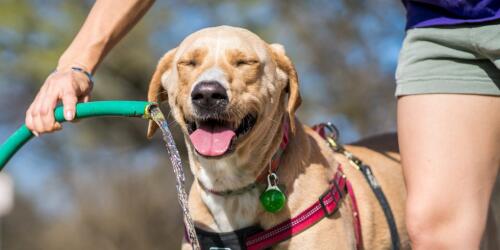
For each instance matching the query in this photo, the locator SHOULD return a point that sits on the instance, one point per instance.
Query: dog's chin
(216, 138)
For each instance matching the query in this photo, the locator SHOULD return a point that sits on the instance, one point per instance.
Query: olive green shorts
(462, 59)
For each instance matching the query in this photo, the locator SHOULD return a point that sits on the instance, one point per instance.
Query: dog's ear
(156, 92)
(285, 64)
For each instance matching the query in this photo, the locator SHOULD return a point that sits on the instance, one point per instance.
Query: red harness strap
(321, 130)
(355, 214)
(327, 204)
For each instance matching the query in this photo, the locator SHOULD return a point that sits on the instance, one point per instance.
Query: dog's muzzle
(212, 131)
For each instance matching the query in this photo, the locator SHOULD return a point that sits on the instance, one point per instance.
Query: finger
(36, 112)
(69, 100)
(29, 121)
(30, 113)
(86, 98)
(38, 124)
(29, 118)
(47, 112)
(57, 126)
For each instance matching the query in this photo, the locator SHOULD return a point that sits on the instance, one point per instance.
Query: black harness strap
(367, 173)
(377, 190)
(225, 241)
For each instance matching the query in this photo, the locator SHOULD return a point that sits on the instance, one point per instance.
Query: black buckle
(334, 182)
(341, 194)
(323, 206)
(330, 191)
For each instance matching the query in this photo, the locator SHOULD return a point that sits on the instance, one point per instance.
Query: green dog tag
(273, 200)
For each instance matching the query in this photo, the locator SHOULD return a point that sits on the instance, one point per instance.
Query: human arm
(106, 24)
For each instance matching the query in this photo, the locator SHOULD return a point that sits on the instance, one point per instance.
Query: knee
(432, 225)
(420, 224)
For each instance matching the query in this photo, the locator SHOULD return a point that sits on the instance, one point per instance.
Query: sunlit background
(99, 184)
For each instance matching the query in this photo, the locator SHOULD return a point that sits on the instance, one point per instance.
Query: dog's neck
(232, 173)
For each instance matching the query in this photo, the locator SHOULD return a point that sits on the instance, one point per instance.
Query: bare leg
(450, 149)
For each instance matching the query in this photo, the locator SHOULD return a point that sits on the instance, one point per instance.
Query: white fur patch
(230, 212)
(233, 212)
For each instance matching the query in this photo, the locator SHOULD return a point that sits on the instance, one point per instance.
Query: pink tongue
(212, 141)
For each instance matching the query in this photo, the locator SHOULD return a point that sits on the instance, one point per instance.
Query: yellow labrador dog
(231, 94)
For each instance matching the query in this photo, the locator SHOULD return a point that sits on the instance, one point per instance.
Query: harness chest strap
(327, 204)
(356, 218)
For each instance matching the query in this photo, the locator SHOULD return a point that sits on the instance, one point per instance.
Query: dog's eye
(243, 62)
(188, 63)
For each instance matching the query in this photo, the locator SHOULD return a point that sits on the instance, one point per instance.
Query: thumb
(69, 102)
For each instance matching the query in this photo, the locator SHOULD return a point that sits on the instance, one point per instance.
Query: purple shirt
(425, 13)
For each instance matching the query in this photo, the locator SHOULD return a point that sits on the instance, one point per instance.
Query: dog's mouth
(216, 137)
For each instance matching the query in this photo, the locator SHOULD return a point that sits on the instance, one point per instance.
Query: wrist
(83, 71)
(61, 67)
(67, 63)
(78, 70)
(87, 57)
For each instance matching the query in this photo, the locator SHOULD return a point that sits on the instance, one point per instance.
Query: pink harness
(327, 204)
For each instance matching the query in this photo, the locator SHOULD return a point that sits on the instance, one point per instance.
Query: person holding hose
(71, 82)
(448, 107)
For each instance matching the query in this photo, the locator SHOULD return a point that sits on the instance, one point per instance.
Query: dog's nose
(209, 94)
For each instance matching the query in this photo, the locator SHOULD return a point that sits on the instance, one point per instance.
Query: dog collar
(260, 181)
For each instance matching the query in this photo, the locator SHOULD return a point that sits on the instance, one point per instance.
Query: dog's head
(227, 88)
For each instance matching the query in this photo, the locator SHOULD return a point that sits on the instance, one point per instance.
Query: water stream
(175, 158)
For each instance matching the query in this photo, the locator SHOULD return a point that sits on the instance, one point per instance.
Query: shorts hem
(476, 86)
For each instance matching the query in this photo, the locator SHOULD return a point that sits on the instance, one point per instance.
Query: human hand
(67, 85)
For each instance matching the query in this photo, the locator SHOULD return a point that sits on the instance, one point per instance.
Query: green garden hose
(83, 110)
